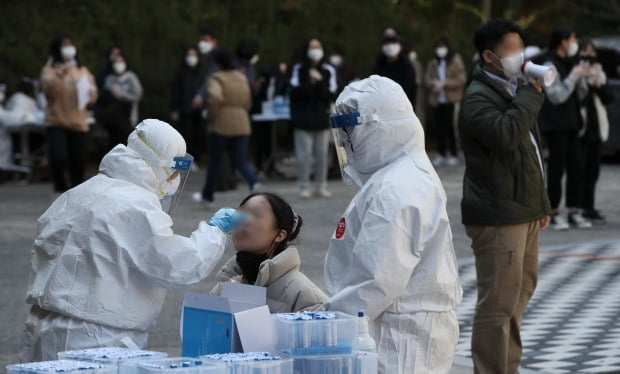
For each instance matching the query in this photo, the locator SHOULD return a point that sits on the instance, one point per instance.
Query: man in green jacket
(504, 203)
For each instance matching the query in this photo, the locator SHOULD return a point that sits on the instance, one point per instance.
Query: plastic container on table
(253, 363)
(178, 365)
(110, 355)
(360, 363)
(61, 366)
(316, 333)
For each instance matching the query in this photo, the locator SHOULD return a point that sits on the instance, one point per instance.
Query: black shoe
(594, 216)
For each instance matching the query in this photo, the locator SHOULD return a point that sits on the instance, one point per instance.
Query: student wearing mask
(504, 205)
(561, 122)
(593, 94)
(445, 79)
(186, 118)
(313, 86)
(112, 54)
(266, 258)
(393, 63)
(117, 109)
(228, 102)
(66, 122)
(207, 42)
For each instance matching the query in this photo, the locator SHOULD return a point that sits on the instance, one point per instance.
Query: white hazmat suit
(392, 254)
(105, 252)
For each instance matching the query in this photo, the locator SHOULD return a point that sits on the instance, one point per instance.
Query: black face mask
(249, 264)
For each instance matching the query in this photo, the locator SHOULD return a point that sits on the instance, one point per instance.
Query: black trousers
(443, 118)
(564, 157)
(193, 131)
(591, 153)
(66, 148)
(261, 143)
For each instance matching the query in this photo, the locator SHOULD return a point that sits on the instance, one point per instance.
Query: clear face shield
(172, 187)
(343, 126)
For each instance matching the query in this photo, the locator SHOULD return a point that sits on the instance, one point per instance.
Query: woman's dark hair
(585, 43)
(286, 218)
(26, 86)
(302, 53)
(247, 48)
(55, 47)
(558, 34)
(224, 59)
(491, 34)
(443, 40)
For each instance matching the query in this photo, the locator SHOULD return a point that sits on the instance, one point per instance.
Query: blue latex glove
(228, 219)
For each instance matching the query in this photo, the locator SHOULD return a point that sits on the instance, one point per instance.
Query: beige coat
(228, 102)
(59, 83)
(288, 289)
(454, 84)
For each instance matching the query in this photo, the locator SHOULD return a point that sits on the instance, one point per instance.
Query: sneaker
(305, 193)
(438, 160)
(558, 223)
(197, 197)
(323, 193)
(452, 161)
(577, 220)
(594, 216)
(256, 187)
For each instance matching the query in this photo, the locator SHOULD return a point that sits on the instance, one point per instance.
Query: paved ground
(20, 205)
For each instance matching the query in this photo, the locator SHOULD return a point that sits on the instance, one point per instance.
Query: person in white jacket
(391, 253)
(105, 252)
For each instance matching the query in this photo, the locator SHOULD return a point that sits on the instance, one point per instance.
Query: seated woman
(266, 258)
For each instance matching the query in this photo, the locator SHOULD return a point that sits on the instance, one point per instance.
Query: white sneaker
(256, 187)
(576, 219)
(438, 160)
(323, 193)
(558, 223)
(452, 161)
(197, 197)
(305, 193)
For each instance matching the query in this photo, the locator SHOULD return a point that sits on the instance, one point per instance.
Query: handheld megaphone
(545, 73)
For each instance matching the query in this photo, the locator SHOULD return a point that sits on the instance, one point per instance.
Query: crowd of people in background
(215, 91)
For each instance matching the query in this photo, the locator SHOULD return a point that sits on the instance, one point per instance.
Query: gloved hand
(228, 219)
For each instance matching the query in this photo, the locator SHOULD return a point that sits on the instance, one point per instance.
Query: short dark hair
(286, 218)
(561, 32)
(224, 59)
(491, 34)
(208, 30)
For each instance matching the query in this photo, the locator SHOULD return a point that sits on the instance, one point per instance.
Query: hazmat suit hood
(389, 130)
(150, 147)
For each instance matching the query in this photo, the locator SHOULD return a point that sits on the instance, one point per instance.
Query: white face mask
(119, 67)
(315, 54)
(205, 47)
(573, 48)
(335, 60)
(171, 187)
(391, 49)
(254, 60)
(191, 60)
(68, 52)
(441, 52)
(511, 65)
(413, 55)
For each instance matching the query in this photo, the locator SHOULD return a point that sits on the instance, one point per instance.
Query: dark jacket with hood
(310, 102)
(503, 183)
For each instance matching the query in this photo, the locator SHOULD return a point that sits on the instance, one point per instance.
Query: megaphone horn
(545, 73)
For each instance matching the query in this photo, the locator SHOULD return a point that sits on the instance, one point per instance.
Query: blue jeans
(237, 148)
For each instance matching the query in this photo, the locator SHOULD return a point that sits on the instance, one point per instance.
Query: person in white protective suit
(105, 252)
(391, 253)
